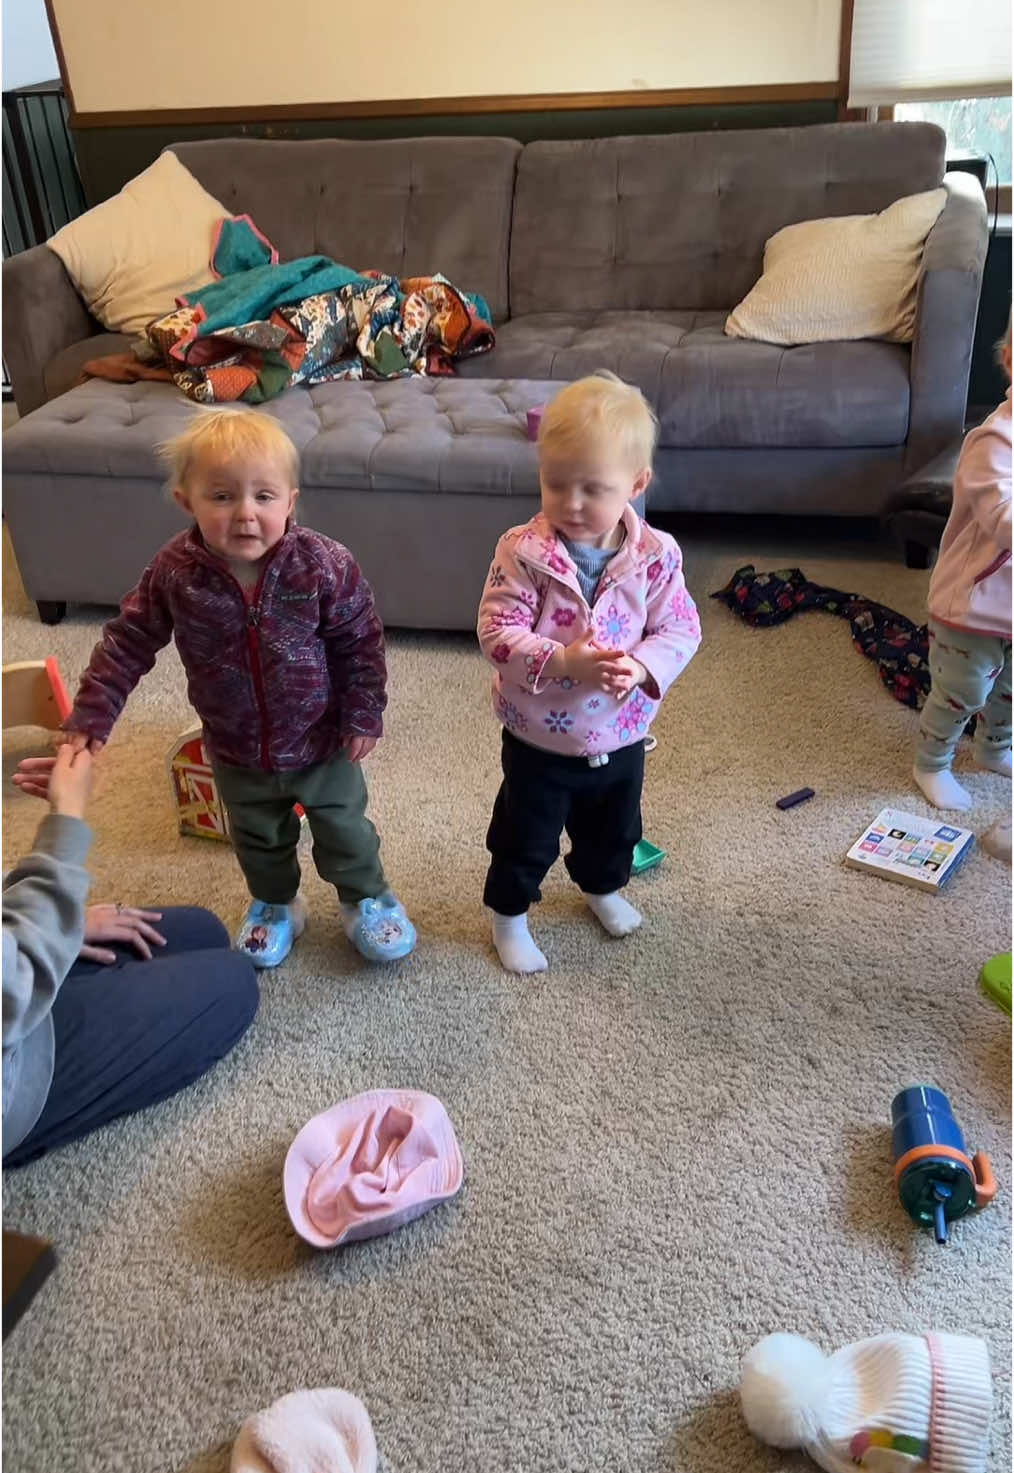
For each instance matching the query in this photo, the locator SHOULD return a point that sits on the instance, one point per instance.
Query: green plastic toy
(995, 980)
(646, 856)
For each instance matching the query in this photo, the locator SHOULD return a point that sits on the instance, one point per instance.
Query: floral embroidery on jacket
(532, 607)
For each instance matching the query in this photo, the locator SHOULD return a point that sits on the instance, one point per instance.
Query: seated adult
(102, 1013)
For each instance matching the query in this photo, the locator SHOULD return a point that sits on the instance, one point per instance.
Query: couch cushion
(681, 220)
(411, 434)
(133, 255)
(853, 276)
(710, 390)
(406, 206)
(424, 434)
(64, 369)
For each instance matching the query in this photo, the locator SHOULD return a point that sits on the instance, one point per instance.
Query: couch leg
(917, 554)
(51, 611)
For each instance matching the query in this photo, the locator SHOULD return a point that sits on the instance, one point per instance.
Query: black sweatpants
(542, 794)
(133, 1032)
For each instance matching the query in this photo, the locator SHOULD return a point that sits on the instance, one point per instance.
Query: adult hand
(66, 780)
(624, 674)
(358, 747)
(586, 662)
(35, 773)
(120, 923)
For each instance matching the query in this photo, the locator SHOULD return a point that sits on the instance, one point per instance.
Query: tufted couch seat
(420, 477)
(621, 253)
(713, 391)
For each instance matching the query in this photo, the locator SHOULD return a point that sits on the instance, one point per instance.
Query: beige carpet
(674, 1144)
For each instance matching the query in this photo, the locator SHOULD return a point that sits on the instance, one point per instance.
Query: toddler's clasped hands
(607, 670)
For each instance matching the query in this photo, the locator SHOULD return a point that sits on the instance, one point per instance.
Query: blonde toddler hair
(605, 410)
(228, 434)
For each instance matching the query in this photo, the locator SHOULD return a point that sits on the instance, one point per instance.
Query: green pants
(265, 830)
(971, 673)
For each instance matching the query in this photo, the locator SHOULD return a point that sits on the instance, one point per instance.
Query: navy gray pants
(134, 1032)
(542, 794)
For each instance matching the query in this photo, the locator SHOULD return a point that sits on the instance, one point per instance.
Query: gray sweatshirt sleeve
(43, 923)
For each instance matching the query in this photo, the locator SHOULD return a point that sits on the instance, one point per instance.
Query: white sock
(942, 788)
(514, 945)
(617, 915)
(995, 761)
(996, 840)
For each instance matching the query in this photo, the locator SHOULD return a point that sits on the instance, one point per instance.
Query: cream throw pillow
(850, 277)
(131, 257)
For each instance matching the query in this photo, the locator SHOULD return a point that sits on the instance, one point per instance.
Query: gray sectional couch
(625, 253)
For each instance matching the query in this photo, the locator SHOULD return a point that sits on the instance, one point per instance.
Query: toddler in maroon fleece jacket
(284, 655)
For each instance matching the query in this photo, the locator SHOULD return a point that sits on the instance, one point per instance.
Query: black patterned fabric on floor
(898, 646)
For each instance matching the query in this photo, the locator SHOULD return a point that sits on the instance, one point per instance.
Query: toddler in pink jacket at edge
(586, 620)
(970, 614)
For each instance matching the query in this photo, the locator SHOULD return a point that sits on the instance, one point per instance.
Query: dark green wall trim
(108, 157)
(466, 107)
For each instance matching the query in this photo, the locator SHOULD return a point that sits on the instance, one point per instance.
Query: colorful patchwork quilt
(263, 325)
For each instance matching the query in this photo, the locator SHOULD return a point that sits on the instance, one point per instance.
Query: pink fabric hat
(369, 1165)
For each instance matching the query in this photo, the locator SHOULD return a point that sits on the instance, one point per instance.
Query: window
(977, 124)
(928, 51)
(939, 61)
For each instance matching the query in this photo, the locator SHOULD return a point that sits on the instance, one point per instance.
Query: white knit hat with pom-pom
(893, 1404)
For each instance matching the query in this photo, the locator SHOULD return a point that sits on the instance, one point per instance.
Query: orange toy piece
(34, 695)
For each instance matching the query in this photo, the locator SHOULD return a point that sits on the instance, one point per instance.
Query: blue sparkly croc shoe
(379, 929)
(268, 931)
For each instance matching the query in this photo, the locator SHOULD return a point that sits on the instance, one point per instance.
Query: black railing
(41, 185)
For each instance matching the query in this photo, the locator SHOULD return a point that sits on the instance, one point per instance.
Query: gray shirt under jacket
(590, 563)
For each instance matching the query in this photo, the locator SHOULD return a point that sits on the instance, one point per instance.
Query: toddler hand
(78, 742)
(624, 675)
(586, 662)
(358, 747)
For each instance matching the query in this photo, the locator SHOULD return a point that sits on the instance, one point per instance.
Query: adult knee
(233, 995)
(190, 928)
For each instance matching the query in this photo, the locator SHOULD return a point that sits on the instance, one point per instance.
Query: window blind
(914, 50)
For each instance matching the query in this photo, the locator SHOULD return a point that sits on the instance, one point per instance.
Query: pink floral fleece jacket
(532, 604)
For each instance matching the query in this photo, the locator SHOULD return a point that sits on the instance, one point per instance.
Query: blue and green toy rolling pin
(937, 1180)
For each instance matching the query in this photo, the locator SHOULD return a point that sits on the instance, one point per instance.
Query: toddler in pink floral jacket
(587, 621)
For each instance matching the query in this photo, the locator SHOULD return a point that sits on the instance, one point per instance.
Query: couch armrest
(946, 307)
(42, 314)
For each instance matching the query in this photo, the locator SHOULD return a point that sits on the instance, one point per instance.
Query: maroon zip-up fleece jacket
(279, 683)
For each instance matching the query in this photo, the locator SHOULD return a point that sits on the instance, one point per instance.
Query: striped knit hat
(891, 1404)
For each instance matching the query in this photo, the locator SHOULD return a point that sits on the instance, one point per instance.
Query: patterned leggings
(971, 673)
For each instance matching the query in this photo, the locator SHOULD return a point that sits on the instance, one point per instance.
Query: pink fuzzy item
(369, 1165)
(319, 1431)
